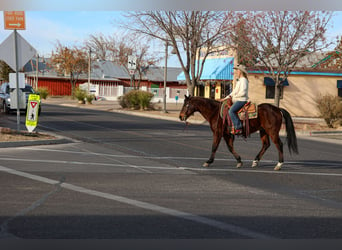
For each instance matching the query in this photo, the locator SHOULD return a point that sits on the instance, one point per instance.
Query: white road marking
(149, 206)
(245, 169)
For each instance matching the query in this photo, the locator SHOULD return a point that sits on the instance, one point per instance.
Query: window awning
(215, 69)
(339, 84)
(268, 81)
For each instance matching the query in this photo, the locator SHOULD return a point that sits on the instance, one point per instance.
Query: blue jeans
(233, 113)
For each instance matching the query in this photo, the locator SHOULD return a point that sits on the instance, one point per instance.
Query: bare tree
(117, 49)
(69, 62)
(193, 32)
(333, 59)
(278, 40)
(100, 46)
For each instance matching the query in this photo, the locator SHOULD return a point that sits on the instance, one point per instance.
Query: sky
(45, 27)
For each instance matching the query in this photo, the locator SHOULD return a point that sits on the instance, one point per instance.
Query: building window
(270, 88)
(339, 88)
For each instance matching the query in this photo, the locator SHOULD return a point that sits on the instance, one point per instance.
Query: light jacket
(240, 92)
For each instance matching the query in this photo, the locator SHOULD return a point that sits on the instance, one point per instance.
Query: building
(108, 80)
(298, 94)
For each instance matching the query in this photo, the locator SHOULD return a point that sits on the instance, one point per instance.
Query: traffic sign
(32, 112)
(7, 49)
(132, 62)
(14, 20)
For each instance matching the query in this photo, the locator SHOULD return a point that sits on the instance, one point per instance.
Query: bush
(43, 92)
(80, 94)
(136, 99)
(330, 108)
(90, 98)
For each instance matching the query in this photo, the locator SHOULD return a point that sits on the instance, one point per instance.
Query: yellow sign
(14, 20)
(32, 112)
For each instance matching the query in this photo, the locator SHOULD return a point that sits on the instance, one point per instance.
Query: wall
(299, 98)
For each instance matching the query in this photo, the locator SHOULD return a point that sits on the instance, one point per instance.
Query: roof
(215, 69)
(105, 70)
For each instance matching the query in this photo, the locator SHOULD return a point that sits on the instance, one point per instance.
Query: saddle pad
(250, 106)
(251, 109)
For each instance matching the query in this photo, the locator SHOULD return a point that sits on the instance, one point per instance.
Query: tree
(100, 46)
(333, 59)
(193, 32)
(117, 49)
(279, 39)
(70, 62)
(5, 70)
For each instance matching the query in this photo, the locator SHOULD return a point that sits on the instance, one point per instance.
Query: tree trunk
(191, 89)
(277, 94)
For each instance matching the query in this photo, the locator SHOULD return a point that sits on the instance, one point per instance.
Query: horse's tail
(290, 131)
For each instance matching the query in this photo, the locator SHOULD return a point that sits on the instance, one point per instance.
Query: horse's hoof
(239, 165)
(278, 166)
(255, 164)
(206, 165)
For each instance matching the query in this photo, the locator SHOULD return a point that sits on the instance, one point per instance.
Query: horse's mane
(205, 101)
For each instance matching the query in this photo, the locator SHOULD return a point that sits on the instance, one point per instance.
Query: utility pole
(89, 70)
(165, 76)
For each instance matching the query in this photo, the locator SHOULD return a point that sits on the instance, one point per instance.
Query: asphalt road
(128, 177)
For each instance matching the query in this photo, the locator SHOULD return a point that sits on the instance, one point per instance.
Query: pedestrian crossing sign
(32, 112)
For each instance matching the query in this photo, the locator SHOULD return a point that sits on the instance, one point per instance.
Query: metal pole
(165, 76)
(17, 77)
(37, 69)
(89, 71)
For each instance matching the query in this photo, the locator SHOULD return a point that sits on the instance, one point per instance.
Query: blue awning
(215, 69)
(268, 81)
(339, 84)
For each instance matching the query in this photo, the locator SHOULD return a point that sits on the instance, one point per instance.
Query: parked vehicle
(5, 98)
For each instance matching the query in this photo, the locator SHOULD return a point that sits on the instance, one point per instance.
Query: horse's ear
(187, 97)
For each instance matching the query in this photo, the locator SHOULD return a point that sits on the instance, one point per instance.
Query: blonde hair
(244, 74)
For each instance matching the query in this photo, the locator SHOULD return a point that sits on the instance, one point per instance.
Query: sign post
(32, 112)
(132, 65)
(14, 20)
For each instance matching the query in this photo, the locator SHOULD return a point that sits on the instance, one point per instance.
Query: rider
(239, 97)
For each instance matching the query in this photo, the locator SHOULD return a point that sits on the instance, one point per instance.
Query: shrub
(90, 98)
(136, 99)
(330, 108)
(80, 94)
(43, 92)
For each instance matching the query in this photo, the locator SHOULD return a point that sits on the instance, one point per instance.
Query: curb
(34, 142)
(6, 144)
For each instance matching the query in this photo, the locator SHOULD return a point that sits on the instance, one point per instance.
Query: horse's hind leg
(229, 139)
(265, 139)
(216, 141)
(278, 143)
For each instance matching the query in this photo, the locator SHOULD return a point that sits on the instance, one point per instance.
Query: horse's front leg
(230, 144)
(216, 142)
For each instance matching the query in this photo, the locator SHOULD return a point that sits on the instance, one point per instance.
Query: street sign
(32, 112)
(25, 51)
(13, 80)
(132, 62)
(14, 20)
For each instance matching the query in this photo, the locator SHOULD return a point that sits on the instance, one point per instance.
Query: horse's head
(187, 110)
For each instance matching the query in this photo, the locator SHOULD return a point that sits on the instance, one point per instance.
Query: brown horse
(268, 122)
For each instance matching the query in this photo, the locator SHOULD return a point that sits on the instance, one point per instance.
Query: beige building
(302, 90)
